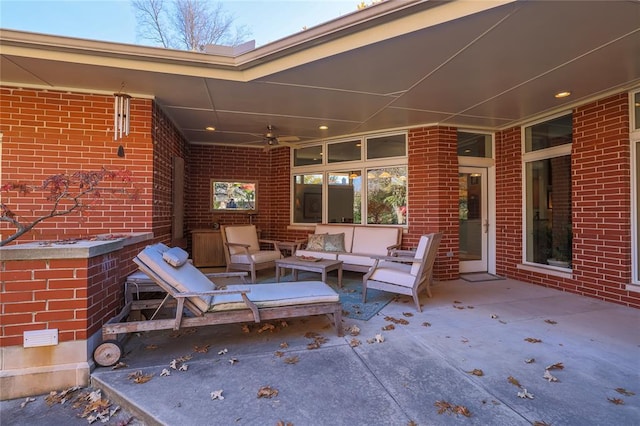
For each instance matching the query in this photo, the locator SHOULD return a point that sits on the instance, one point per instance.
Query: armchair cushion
(243, 235)
(257, 257)
(420, 253)
(395, 273)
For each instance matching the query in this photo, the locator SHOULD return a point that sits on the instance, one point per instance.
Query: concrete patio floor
(405, 379)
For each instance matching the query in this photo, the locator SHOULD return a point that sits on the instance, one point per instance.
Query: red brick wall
(601, 177)
(433, 194)
(49, 132)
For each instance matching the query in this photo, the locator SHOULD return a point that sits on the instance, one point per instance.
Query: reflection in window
(344, 151)
(387, 195)
(307, 156)
(307, 198)
(549, 237)
(345, 197)
(474, 145)
(387, 146)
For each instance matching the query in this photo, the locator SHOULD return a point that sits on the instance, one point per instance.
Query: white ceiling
(475, 65)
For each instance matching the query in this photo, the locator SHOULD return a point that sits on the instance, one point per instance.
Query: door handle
(486, 226)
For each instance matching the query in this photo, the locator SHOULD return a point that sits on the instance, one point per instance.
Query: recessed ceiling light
(210, 128)
(564, 94)
(323, 127)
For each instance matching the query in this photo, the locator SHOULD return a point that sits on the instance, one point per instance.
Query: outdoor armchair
(242, 250)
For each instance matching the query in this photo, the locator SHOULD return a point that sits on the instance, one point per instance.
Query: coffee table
(321, 266)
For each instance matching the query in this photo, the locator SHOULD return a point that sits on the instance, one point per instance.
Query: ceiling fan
(271, 139)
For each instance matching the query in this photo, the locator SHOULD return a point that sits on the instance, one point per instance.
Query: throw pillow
(316, 242)
(175, 257)
(334, 242)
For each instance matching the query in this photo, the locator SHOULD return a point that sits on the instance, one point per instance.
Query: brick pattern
(433, 194)
(48, 132)
(601, 205)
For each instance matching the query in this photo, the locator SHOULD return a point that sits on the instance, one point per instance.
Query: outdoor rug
(478, 277)
(350, 293)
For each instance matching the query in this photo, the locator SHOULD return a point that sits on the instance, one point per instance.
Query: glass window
(387, 146)
(558, 131)
(345, 197)
(548, 195)
(307, 190)
(474, 145)
(307, 156)
(636, 111)
(387, 195)
(344, 151)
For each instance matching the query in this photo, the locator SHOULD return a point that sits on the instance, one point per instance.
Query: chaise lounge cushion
(185, 278)
(276, 295)
(175, 256)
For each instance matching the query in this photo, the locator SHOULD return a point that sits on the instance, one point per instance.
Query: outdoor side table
(320, 266)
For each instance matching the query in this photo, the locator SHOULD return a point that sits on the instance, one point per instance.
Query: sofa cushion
(242, 235)
(374, 240)
(338, 229)
(355, 259)
(316, 242)
(334, 242)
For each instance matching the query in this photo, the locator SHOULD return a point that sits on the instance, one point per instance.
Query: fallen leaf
(184, 358)
(412, 423)
(556, 366)
(549, 377)
(174, 364)
(446, 407)
(532, 340)
(354, 330)
(470, 307)
(245, 328)
(202, 349)
(284, 345)
(552, 322)
(400, 321)
(540, 423)
(354, 342)
(119, 365)
(151, 347)
(476, 372)
(233, 361)
(183, 367)
(26, 401)
(217, 395)
(530, 360)
(616, 401)
(458, 307)
(625, 392)
(223, 351)
(165, 373)
(502, 322)
(267, 392)
(281, 423)
(462, 410)
(291, 360)
(379, 338)
(464, 340)
(388, 327)
(514, 381)
(494, 316)
(139, 377)
(426, 324)
(279, 354)
(443, 406)
(525, 394)
(266, 327)
(457, 301)
(407, 314)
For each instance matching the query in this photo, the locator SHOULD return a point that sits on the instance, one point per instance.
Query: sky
(114, 20)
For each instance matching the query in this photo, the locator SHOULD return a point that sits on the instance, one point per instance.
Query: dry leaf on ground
(529, 360)
(202, 349)
(532, 340)
(448, 408)
(514, 381)
(284, 345)
(281, 423)
(354, 330)
(525, 394)
(26, 401)
(625, 392)
(354, 342)
(616, 401)
(388, 327)
(549, 377)
(407, 314)
(291, 360)
(552, 322)
(400, 321)
(165, 373)
(279, 354)
(233, 361)
(267, 327)
(267, 392)
(139, 377)
(119, 365)
(217, 395)
(476, 372)
(426, 324)
(151, 347)
(245, 328)
(556, 366)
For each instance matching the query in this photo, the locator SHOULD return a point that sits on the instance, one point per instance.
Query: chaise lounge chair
(192, 290)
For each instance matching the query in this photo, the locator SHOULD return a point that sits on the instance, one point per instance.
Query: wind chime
(121, 119)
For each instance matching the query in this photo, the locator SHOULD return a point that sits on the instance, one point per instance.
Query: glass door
(474, 219)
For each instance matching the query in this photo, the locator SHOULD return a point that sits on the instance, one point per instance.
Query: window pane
(548, 186)
(636, 109)
(386, 146)
(307, 156)
(549, 134)
(344, 151)
(345, 197)
(307, 198)
(637, 211)
(474, 145)
(387, 195)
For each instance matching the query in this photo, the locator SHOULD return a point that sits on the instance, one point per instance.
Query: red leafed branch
(66, 194)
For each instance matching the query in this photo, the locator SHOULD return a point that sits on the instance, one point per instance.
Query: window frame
(361, 165)
(634, 140)
(532, 156)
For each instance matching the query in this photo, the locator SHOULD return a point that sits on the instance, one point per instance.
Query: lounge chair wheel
(108, 353)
